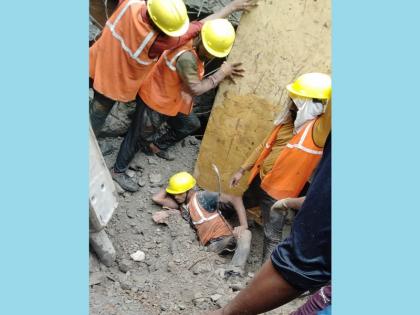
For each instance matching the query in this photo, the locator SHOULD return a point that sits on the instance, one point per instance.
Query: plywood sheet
(276, 42)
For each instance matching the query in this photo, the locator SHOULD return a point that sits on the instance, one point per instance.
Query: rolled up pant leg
(242, 250)
(272, 225)
(180, 126)
(139, 135)
(98, 111)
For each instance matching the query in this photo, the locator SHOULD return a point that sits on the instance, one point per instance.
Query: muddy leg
(242, 250)
(273, 229)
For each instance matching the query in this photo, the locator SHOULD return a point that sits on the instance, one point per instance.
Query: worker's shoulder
(208, 199)
(186, 58)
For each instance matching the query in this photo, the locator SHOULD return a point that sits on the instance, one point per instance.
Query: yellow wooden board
(276, 42)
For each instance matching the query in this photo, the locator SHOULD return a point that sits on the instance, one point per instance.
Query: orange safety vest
(266, 151)
(119, 61)
(294, 166)
(163, 89)
(209, 225)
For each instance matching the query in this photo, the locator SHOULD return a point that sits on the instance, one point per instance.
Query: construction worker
(301, 262)
(135, 36)
(167, 95)
(201, 209)
(282, 164)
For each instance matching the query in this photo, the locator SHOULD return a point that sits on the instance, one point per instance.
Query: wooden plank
(277, 41)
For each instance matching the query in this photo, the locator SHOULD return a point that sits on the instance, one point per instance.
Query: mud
(177, 276)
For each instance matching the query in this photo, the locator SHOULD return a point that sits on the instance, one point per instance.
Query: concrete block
(103, 247)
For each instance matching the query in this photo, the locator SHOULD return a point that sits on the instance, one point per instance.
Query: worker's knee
(193, 123)
(106, 102)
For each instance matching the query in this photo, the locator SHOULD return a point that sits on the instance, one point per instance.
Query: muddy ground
(177, 275)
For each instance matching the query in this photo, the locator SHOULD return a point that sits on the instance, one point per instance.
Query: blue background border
(44, 157)
(376, 157)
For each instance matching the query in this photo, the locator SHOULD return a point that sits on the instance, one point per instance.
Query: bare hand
(232, 70)
(281, 205)
(244, 5)
(161, 217)
(234, 181)
(237, 231)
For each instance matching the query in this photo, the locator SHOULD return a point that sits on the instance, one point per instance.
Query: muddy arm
(239, 207)
(236, 5)
(161, 198)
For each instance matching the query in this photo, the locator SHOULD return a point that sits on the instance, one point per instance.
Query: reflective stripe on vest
(200, 213)
(170, 63)
(117, 36)
(300, 146)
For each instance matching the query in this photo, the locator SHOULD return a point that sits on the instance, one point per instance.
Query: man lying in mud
(202, 209)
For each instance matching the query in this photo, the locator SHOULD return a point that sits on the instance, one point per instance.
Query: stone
(131, 213)
(154, 190)
(215, 297)
(142, 182)
(138, 256)
(193, 141)
(171, 267)
(236, 286)
(125, 285)
(130, 173)
(96, 278)
(155, 178)
(125, 265)
(137, 162)
(222, 301)
(164, 306)
(152, 161)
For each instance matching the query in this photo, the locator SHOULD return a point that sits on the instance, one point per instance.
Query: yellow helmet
(180, 183)
(312, 85)
(169, 15)
(218, 37)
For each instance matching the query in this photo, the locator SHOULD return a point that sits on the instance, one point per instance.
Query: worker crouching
(167, 96)
(203, 210)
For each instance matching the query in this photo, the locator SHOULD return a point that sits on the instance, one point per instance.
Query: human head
(170, 16)
(179, 185)
(217, 37)
(309, 93)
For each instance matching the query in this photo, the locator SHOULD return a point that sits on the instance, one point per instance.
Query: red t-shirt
(164, 42)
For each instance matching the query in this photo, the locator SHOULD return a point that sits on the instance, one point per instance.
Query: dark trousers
(99, 109)
(273, 226)
(180, 126)
(146, 129)
(255, 196)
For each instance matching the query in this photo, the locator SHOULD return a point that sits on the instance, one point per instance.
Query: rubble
(155, 178)
(96, 278)
(138, 256)
(125, 265)
(167, 273)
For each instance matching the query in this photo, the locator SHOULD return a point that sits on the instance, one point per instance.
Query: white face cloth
(282, 117)
(307, 110)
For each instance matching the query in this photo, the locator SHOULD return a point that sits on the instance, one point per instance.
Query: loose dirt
(177, 276)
